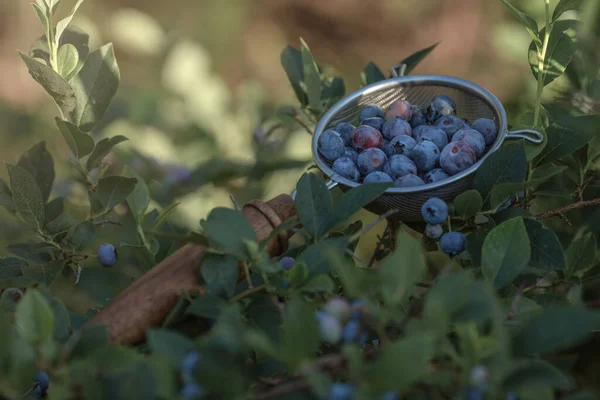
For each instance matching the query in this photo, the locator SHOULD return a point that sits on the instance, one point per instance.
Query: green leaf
(54, 208)
(68, 58)
(314, 204)
(468, 204)
(581, 395)
(61, 226)
(529, 373)
(41, 14)
(546, 250)
(333, 90)
(371, 74)
(6, 199)
(162, 218)
(220, 271)
(102, 149)
(83, 235)
(581, 254)
(561, 143)
(206, 306)
(10, 268)
(506, 252)
(46, 273)
(34, 317)
(554, 329)
(506, 165)
(94, 87)
(319, 284)
(291, 61)
(112, 190)
(560, 51)
(89, 340)
(312, 78)
(27, 196)
(593, 152)
(36, 252)
(64, 23)
(229, 230)
(62, 319)
(564, 6)
(80, 143)
(414, 59)
(170, 345)
(355, 199)
(527, 21)
(313, 257)
(38, 162)
(300, 332)
(53, 83)
(139, 199)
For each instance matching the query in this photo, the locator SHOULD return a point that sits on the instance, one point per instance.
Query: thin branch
(301, 123)
(560, 211)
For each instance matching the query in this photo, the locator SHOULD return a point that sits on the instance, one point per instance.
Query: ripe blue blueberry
(435, 135)
(286, 263)
(192, 391)
(345, 130)
(351, 330)
(375, 122)
(434, 231)
(10, 298)
(377, 177)
(389, 396)
(457, 157)
(351, 154)
(434, 211)
(474, 138)
(409, 180)
(425, 155)
(512, 396)
(43, 381)
(178, 175)
(396, 127)
(475, 393)
(190, 362)
(487, 128)
(364, 137)
(345, 167)
(435, 175)
(340, 391)
(399, 109)
(107, 254)
(439, 107)
(479, 376)
(329, 327)
(399, 165)
(370, 111)
(338, 307)
(450, 124)
(371, 160)
(453, 243)
(418, 116)
(331, 145)
(400, 145)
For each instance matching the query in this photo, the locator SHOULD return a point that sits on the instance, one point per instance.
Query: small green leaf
(561, 47)
(414, 59)
(170, 345)
(6, 199)
(562, 142)
(546, 250)
(312, 78)
(313, 257)
(10, 268)
(314, 204)
(113, 190)
(581, 254)
(64, 23)
(68, 58)
(319, 284)
(206, 306)
(102, 149)
(298, 274)
(291, 61)
(27, 196)
(44, 273)
(506, 252)
(564, 6)
(529, 373)
(83, 235)
(94, 87)
(300, 333)
(162, 218)
(41, 14)
(38, 162)
(80, 143)
(220, 272)
(61, 226)
(37, 252)
(229, 230)
(371, 74)
(139, 199)
(54, 208)
(468, 204)
(527, 21)
(355, 199)
(89, 340)
(593, 152)
(34, 317)
(333, 90)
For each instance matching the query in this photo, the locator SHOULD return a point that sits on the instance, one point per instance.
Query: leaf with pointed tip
(39, 163)
(312, 78)
(371, 74)
(80, 143)
(6, 199)
(68, 58)
(113, 190)
(64, 23)
(46, 273)
(414, 59)
(82, 236)
(41, 14)
(27, 196)
(10, 268)
(102, 149)
(560, 50)
(563, 6)
(291, 61)
(139, 199)
(527, 21)
(581, 254)
(314, 204)
(546, 250)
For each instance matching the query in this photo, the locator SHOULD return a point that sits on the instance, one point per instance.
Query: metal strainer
(472, 102)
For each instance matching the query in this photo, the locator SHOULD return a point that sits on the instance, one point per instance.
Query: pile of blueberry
(435, 212)
(407, 144)
(340, 321)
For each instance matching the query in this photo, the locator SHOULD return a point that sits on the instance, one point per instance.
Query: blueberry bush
(494, 296)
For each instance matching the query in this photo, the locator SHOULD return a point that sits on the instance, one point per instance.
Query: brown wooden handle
(147, 302)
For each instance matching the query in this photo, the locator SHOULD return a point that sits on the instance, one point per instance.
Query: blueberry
(435, 175)
(375, 122)
(434, 231)
(402, 144)
(409, 181)
(425, 155)
(434, 211)
(329, 327)
(10, 298)
(457, 157)
(37, 392)
(287, 263)
(453, 243)
(345, 167)
(434, 135)
(338, 308)
(377, 177)
(370, 111)
(107, 254)
(345, 130)
(399, 109)
(399, 165)
(340, 391)
(418, 116)
(396, 127)
(371, 160)
(450, 124)
(331, 145)
(389, 396)
(365, 137)
(190, 362)
(487, 128)
(475, 393)
(474, 138)
(351, 154)
(351, 330)
(512, 396)
(418, 130)
(43, 381)
(192, 391)
(506, 205)
(479, 376)
(178, 175)
(439, 107)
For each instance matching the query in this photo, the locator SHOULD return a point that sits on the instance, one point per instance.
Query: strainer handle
(398, 70)
(519, 134)
(330, 185)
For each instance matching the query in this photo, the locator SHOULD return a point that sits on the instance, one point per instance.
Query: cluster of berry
(407, 144)
(435, 212)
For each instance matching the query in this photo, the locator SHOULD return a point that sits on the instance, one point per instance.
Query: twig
(515, 303)
(247, 293)
(561, 210)
(373, 224)
(424, 284)
(301, 123)
(79, 269)
(105, 222)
